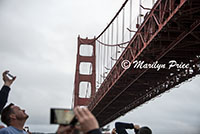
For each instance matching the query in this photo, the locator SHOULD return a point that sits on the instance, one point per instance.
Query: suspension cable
(112, 19)
(117, 35)
(110, 45)
(130, 26)
(111, 42)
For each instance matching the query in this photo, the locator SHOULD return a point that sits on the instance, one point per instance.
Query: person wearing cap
(120, 128)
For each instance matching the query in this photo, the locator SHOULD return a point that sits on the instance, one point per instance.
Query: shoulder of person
(4, 130)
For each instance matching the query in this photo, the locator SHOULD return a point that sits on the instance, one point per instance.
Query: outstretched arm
(5, 89)
(121, 127)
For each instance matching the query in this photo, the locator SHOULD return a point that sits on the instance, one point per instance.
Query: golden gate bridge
(123, 63)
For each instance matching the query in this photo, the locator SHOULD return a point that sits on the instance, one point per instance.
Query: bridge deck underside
(136, 86)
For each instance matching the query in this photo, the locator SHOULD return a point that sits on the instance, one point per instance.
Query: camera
(62, 116)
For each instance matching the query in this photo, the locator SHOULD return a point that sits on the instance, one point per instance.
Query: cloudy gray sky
(38, 42)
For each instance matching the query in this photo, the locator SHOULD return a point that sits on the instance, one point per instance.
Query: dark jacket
(121, 127)
(4, 96)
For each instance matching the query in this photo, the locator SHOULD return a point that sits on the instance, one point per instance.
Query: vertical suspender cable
(123, 23)
(108, 47)
(130, 27)
(117, 36)
(140, 12)
(101, 65)
(111, 43)
(104, 58)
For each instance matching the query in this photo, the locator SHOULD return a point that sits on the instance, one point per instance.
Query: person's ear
(12, 116)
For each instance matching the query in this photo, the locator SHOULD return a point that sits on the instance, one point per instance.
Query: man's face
(19, 113)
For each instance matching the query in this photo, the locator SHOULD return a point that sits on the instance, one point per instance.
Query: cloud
(38, 44)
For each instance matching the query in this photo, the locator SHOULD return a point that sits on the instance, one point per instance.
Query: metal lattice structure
(170, 31)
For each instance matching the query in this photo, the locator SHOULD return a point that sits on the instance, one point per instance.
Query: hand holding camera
(86, 119)
(8, 78)
(83, 116)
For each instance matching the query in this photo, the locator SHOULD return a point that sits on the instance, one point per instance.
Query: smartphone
(62, 116)
(10, 75)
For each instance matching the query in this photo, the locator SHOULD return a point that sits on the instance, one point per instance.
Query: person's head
(12, 113)
(144, 130)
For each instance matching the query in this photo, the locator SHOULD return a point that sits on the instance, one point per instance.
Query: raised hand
(6, 79)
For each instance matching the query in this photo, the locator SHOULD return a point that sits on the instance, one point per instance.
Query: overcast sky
(38, 44)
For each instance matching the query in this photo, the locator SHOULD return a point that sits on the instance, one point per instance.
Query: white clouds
(38, 42)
